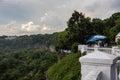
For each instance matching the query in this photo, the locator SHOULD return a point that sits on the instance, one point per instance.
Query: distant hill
(42, 41)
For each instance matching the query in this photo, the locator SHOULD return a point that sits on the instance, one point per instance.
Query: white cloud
(45, 28)
(29, 27)
(47, 16)
(13, 28)
(9, 29)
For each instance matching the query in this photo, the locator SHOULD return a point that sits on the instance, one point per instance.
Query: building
(10, 37)
(117, 37)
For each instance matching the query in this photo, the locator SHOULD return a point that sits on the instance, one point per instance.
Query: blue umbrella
(96, 38)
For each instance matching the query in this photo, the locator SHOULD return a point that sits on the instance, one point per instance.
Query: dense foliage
(66, 69)
(80, 28)
(25, 64)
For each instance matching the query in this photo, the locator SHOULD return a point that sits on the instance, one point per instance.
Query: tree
(74, 47)
(63, 40)
(114, 30)
(98, 26)
(79, 30)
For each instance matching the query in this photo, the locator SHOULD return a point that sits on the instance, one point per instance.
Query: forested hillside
(25, 64)
(32, 41)
(27, 57)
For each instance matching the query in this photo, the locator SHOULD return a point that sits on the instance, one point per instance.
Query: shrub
(66, 69)
(74, 47)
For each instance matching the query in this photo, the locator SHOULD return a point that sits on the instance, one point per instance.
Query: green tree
(79, 30)
(109, 23)
(114, 30)
(63, 40)
(74, 47)
(98, 26)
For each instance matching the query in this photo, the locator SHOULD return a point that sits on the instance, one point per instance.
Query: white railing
(107, 50)
(114, 50)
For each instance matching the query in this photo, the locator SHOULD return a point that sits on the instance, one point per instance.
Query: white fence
(96, 66)
(114, 50)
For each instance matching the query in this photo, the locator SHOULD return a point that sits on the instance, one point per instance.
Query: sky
(27, 17)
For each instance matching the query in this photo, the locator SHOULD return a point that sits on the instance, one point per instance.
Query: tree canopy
(25, 64)
(80, 28)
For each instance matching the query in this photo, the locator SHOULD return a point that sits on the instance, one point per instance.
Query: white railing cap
(99, 57)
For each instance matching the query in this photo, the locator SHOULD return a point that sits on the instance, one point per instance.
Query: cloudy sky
(20, 17)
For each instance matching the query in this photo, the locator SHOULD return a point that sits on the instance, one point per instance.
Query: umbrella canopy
(95, 38)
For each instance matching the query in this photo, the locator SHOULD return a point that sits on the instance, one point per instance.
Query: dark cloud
(14, 12)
